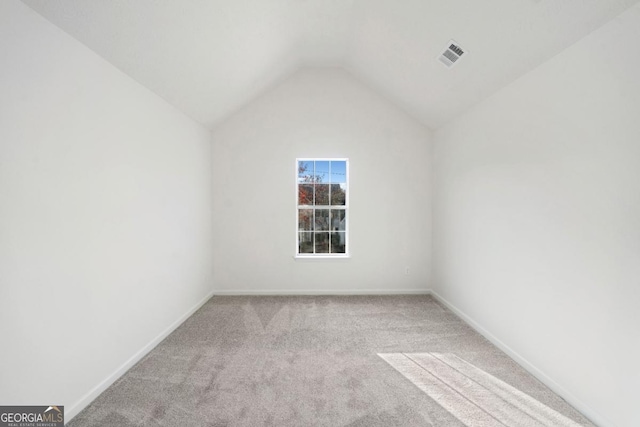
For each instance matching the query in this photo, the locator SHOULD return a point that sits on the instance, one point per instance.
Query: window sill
(317, 257)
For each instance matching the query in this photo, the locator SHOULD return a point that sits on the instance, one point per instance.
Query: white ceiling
(210, 57)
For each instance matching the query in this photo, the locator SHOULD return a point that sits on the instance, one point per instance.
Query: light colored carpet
(473, 396)
(313, 361)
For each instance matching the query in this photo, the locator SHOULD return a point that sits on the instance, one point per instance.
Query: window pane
(338, 194)
(338, 219)
(305, 171)
(338, 242)
(322, 243)
(305, 194)
(339, 172)
(322, 194)
(322, 172)
(305, 243)
(322, 219)
(305, 219)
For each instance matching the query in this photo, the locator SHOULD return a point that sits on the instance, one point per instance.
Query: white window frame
(346, 254)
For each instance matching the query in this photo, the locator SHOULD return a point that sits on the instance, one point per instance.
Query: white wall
(537, 220)
(105, 204)
(321, 113)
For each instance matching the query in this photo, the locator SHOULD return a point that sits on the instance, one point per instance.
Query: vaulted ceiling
(210, 57)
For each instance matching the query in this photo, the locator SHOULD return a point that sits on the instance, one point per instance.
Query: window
(322, 207)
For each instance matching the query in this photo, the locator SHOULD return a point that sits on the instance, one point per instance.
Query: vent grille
(452, 54)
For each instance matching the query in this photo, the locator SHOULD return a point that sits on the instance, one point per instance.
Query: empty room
(319, 213)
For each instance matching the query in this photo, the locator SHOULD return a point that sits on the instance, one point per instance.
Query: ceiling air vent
(452, 54)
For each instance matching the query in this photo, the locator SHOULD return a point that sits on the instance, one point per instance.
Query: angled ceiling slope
(210, 57)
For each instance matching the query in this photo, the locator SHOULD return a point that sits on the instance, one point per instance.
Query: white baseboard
(77, 407)
(337, 292)
(532, 369)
